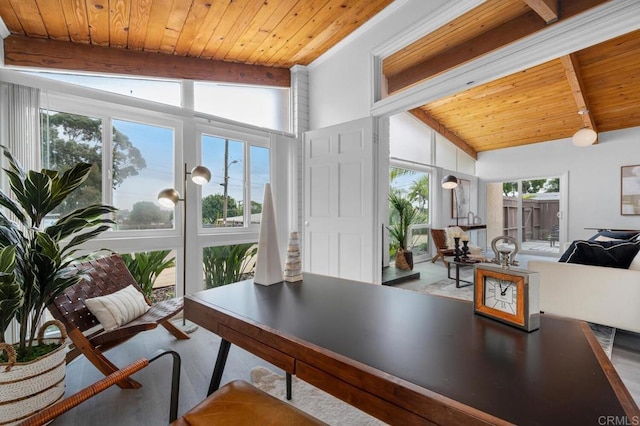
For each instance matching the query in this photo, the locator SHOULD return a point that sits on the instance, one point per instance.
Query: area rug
(312, 400)
(447, 287)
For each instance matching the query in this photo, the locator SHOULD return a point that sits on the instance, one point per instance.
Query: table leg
(216, 377)
(288, 386)
(458, 280)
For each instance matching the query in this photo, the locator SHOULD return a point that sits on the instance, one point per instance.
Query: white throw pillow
(117, 308)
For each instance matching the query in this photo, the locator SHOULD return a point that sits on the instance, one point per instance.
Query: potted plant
(35, 268)
(404, 214)
(146, 266)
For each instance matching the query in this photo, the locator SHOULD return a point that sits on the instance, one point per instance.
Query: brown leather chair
(236, 403)
(105, 276)
(240, 403)
(439, 238)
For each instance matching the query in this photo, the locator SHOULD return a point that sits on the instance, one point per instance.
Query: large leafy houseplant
(404, 214)
(40, 256)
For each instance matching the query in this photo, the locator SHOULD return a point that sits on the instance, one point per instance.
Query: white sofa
(608, 296)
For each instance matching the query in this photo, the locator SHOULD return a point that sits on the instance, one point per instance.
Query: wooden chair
(105, 276)
(439, 238)
(48, 414)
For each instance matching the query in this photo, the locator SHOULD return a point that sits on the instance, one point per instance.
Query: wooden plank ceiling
(257, 41)
(269, 35)
(536, 105)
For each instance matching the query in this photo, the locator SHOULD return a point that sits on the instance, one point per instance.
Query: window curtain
(20, 132)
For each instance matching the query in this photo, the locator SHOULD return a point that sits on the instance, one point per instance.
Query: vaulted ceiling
(257, 41)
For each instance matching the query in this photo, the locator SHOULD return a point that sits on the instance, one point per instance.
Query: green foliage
(147, 212)
(227, 264)
(533, 186)
(10, 292)
(405, 215)
(146, 266)
(212, 208)
(70, 139)
(43, 254)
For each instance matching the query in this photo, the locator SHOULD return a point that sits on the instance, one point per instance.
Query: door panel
(339, 231)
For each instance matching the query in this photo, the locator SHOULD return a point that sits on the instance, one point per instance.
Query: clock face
(501, 295)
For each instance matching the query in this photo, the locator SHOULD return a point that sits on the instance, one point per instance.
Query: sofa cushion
(613, 254)
(614, 235)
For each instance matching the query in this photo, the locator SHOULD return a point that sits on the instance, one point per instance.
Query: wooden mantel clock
(507, 295)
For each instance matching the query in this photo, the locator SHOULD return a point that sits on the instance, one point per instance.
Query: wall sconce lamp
(169, 197)
(451, 182)
(585, 136)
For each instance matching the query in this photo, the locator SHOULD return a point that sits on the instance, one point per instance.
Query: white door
(339, 201)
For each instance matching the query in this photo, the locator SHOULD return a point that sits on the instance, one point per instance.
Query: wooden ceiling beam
(572, 71)
(22, 51)
(430, 121)
(547, 9)
(491, 40)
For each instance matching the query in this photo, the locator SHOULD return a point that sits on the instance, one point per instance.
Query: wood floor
(150, 404)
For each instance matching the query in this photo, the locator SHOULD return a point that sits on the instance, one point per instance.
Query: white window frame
(249, 139)
(108, 112)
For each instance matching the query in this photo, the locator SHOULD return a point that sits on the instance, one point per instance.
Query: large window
(239, 170)
(414, 186)
(527, 210)
(143, 165)
(132, 162)
(156, 90)
(267, 107)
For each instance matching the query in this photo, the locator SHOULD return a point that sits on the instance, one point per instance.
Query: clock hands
(503, 291)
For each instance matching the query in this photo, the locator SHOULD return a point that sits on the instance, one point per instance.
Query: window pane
(68, 139)
(223, 198)
(261, 106)
(142, 167)
(260, 174)
(162, 91)
(228, 264)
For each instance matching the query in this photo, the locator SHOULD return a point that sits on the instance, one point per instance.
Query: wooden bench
(105, 276)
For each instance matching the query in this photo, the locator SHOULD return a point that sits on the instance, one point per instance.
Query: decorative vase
(293, 267)
(28, 387)
(268, 264)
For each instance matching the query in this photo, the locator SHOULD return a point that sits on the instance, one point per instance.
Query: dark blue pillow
(612, 254)
(618, 235)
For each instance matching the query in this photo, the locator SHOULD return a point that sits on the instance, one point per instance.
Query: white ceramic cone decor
(293, 267)
(268, 265)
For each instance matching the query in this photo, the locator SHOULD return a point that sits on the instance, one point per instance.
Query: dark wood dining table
(411, 358)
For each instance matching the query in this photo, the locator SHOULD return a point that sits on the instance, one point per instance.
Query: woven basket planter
(28, 387)
(404, 260)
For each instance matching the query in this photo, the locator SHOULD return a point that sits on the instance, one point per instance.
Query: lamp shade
(449, 182)
(584, 137)
(200, 175)
(168, 197)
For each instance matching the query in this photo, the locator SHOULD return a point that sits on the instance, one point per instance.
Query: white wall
(340, 83)
(593, 174)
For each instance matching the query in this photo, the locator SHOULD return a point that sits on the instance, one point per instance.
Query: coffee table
(411, 358)
(458, 264)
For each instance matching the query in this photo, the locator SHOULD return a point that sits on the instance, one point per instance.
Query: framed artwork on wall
(461, 198)
(630, 190)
